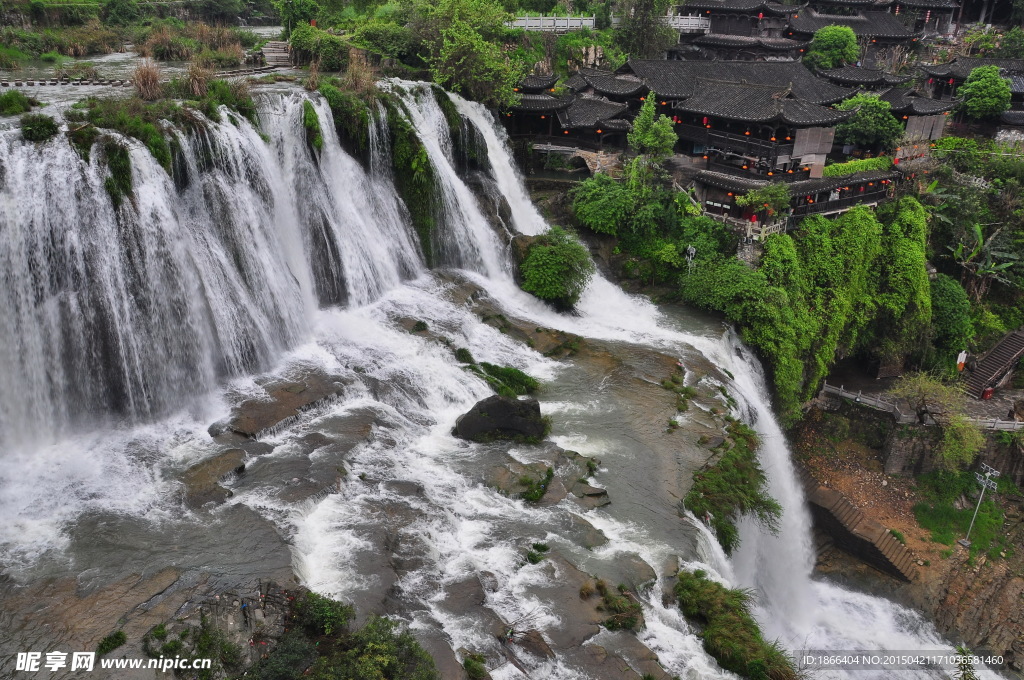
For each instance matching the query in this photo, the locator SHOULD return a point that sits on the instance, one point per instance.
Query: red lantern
(705, 120)
(753, 218)
(950, 81)
(760, 15)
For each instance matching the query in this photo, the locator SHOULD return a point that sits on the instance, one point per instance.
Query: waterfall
(262, 252)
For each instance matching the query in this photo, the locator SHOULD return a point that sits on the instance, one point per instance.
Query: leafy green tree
(462, 43)
(983, 261)
(832, 47)
(121, 12)
(641, 32)
(557, 268)
(961, 442)
(965, 669)
(1011, 43)
(772, 199)
(873, 124)
(652, 134)
(385, 38)
(296, 12)
(602, 204)
(985, 93)
(220, 11)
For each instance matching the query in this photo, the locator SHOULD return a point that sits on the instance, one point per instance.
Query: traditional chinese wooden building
(581, 115)
(870, 79)
(876, 29)
(752, 30)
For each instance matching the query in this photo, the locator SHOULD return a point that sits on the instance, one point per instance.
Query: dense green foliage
(536, 488)
(951, 314)
(461, 43)
(38, 127)
(508, 381)
(119, 163)
(730, 633)
(773, 198)
(873, 124)
(641, 32)
(985, 93)
(351, 118)
(735, 485)
(14, 102)
(319, 644)
(312, 45)
(557, 268)
(832, 47)
(311, 121)
(857, 165)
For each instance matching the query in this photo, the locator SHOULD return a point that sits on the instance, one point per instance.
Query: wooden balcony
(744, 144)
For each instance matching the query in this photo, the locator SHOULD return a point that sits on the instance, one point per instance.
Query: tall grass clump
(730, 633)
(146, 78)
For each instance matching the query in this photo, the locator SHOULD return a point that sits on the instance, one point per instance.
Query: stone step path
(121, 83)
(275, 53)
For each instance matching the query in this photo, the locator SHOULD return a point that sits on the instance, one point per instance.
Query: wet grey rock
(499, 417)
(590, 496)
(533, 642)
(202, 481)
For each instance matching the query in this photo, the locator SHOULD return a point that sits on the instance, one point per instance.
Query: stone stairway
(996, 363)
(275, 53)
(857, 534)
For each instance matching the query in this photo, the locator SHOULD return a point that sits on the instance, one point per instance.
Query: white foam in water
(265, 249)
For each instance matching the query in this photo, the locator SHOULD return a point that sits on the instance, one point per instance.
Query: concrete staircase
(275, 53)
(996, 363)
(857, 534)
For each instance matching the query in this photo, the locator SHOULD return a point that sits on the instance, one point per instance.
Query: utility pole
(987, 482)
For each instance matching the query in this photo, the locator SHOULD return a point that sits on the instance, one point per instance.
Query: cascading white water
(268, 244)
(467, 240)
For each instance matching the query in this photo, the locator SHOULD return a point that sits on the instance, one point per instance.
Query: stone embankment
(126, 82)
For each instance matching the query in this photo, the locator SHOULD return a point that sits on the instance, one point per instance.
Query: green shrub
(535, 489)
(419, 327)
(14, 102)
(320, 615)
(938, 514)
(734, 486)
(474, 665)
(111, 642)
(731, 634)
(463, 356)
(557, 268)
(36, 127)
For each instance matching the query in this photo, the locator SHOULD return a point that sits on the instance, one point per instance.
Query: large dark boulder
(500, 417)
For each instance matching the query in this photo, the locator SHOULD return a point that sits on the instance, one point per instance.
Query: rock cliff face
(864, 455)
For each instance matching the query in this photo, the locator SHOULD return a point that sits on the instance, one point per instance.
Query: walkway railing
(882, 403)
(683, 24)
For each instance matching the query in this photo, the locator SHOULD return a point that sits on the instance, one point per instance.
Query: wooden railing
(840, 204)
(881, 403)
(683, 24)
(719, 138)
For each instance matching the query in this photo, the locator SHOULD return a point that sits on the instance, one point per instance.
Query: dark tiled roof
(1016, 82)
(1013, 118)
(905, 101)
(855, 75)
(606, 83)
(757, 103)
(541, 102)
(586, 111)
(743, 6)
(722, 40)
(535, 82)
(930, 4)
(865, 24)
(961, 67)
(880, 4)
(676, 79)
(802, 187)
